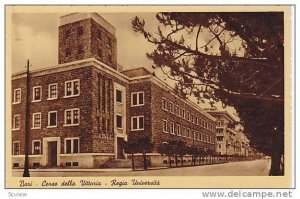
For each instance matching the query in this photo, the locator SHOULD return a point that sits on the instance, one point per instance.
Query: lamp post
(27, 117)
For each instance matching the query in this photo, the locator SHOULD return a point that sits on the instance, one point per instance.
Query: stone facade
(96, 136)
(86, 39)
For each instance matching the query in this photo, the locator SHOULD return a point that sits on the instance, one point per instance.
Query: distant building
(83, 109)
(231, 139)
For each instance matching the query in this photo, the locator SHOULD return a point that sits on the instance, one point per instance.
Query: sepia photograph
(148, 96)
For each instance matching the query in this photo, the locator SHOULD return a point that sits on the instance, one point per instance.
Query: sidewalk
(88, 170)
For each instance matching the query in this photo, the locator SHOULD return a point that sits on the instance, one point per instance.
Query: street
(246, 168)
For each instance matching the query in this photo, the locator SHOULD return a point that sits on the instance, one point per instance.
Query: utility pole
(27, 125)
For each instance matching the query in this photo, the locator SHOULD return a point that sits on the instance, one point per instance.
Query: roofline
(140, 67)
(222, 112)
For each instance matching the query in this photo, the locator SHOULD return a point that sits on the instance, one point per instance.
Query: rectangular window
(16, 148)
(201, 137)
(187, 115)
(68, 52)
(177, 110)
(17, 96)
(171, 107)
(178, 130)
(72, 117)
(171, 128)
(193, 118)
(72, 145)
(183, 131)
(67, 34)
(36, 121)
(119, 96)
(99, 34)
(72, 88)
(52, 119)
(119, 121)
(165, 126)
(16, 122)
(164, 104)
(182, 114)
(99, 52)
(52, 91)
(137, 123)
(37, 93)
(188, 132)
(196, 120)
(206, 125)
(137, 99)
(80, 31)
(36, 147)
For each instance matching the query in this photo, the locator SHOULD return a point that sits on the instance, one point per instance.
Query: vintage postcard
(149, 97)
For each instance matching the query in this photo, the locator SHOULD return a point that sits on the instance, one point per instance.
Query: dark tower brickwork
(86, 35)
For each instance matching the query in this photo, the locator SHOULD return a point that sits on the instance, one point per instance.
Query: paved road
(247, 168)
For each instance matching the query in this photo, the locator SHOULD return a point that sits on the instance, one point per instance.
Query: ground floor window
(72, 145)
(36, 147)
(16, 148)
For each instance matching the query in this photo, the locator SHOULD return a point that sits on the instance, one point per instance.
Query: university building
(82, 109)
(231, 139)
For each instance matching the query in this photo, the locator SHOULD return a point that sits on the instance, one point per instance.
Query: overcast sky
(35, 37)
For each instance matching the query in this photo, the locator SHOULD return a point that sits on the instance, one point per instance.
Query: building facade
(231, 139)
(83, 109)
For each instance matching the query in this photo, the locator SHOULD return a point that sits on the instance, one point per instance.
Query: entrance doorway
(52, 153)
(120, 148)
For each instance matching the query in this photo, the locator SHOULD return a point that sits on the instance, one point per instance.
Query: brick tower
(87, 35)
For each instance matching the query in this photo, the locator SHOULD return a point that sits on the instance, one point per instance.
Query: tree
(131, 147)
(236, 59)
(165, 149)
(181, 150)
(144, 146)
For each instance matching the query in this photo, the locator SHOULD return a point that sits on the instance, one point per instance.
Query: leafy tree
(236, 59)
(165, 149)
(182, 150)
(131, 147)
(144, 146)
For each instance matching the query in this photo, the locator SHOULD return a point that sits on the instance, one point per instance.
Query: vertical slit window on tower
(110, 58)
(99, 52)
(67, 34)
(68, 52)
(99, 34)
(80, 31)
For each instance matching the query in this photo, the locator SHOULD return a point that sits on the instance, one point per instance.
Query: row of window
(80, 32)
(71, 146)
(72, 88)
(180, 112)
(176, 129)
(71, 117)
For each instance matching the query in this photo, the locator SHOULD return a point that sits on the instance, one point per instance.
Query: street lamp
(27, 116)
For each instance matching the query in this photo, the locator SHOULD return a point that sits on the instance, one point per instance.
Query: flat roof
(77, 16)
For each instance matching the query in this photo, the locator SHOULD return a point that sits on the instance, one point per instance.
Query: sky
(34, 36)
